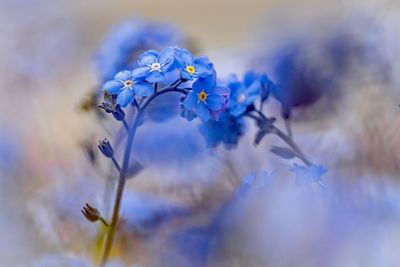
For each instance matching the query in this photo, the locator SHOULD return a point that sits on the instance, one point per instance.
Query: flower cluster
(221, 107)
(204, 97)
(242, 100)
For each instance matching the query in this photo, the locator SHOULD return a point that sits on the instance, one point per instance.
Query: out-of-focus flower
(243, 94)
(191, 67)
(308, 174)
(154, 65)
(125, 87)
(227, 130)
(207, 99)
(127, 39)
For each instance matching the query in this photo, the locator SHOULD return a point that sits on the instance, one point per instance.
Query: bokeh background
(339, 59)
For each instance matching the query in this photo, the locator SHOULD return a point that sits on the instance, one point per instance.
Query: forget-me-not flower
(207, 99)
(125, 87)
(191, 67)
(243, 94)
(154, 65)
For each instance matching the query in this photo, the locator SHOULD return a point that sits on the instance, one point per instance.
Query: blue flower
(129, 38)
(153, 65)
(125, 87)
(191, 67)
(267, 86)
(243, 94)
(312, 173)
(207, 99)
(227, 130)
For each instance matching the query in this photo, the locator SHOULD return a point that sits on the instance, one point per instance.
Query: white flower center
(241, 98)
(155, 66)
(128, 83)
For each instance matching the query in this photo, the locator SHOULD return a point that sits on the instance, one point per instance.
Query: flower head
(243, 93)
(227, 130)
(154, 65)
(191, 67)
(207, 99)
(125, 87)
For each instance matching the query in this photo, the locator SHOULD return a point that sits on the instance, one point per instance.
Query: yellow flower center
(202, 96)
(190, 69)
(156, 66)
(128, 83)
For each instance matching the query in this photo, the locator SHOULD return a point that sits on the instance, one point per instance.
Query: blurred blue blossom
(125, 87)
(207, 99)
(127, 39)
(191, 67)
(243, 94)
(308, 174)
(227, 130)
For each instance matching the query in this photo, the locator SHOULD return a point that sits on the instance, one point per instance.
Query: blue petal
(203, 112)
(237, 109)
(222, 90)
(123, 75)
(143, 89)
(125, 97)
(140, 72)
(148, 58)
(185, 56)
(215, 102)
(204, 61)
(155, 77)
(112, 87)
(202, 70)
(197, 86)
(190, 101)
(249, 78)
(185, 75)
(253, 92)
(209, 84)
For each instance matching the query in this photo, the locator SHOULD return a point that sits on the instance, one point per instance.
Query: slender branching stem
(123, 170)
(116, 164)
(286, 138)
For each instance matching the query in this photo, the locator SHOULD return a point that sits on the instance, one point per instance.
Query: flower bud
(118, 113)
(106, 148)
(91, 213)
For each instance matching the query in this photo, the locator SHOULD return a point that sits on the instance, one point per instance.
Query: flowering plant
(221, 107)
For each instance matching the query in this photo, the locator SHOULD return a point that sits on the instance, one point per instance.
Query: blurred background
(338, 64)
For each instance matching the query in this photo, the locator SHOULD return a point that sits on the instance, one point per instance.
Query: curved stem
(287, 139)
(124, 169)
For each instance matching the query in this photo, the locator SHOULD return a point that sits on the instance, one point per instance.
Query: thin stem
(116, 164)
(288, 127)
(125, 125)
(124, 169)
(287, 139)
(292, 144)
(136, 104)
(103, 221)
